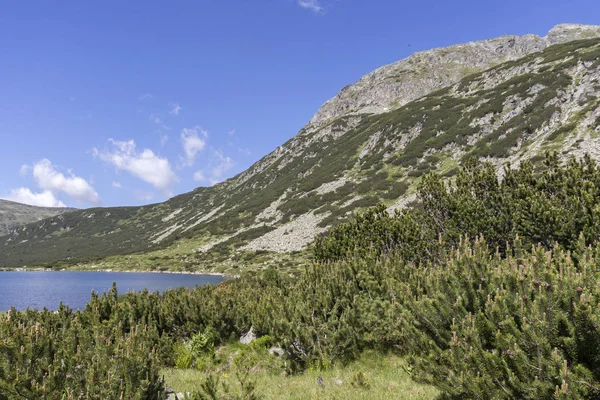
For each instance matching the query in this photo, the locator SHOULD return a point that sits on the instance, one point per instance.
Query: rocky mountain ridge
(392, 86)
(396, 84)
(546, 100)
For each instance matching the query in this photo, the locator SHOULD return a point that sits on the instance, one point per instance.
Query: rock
(171, 395)
(276, 351)
(566, 32)
(248, 337)
(292, 236)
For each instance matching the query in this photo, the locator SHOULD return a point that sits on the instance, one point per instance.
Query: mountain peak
(567, 32)
(394, 85)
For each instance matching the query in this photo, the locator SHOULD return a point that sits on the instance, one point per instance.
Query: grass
(184, 259)
(386, 377)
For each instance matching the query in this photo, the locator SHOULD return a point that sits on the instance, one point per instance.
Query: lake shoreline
(39, 288)
(117, 271)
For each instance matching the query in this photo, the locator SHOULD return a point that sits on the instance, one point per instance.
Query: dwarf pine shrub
(513, 312)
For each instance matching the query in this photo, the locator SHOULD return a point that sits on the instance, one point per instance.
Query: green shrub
(396, 190)
(416, 173)
(451, 172)
(513, 314)
(564, 129)
(360, 381)
(262, 342)
(204, 342)
(554, 206)
(183, 356)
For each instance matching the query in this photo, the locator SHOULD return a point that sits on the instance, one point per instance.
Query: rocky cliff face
(394, 85)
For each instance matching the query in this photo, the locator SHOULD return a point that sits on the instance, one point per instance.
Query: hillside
(13, 215)
(504, 99)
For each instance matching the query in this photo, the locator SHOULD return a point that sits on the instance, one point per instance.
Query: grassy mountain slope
(548, 100)
(13, 215)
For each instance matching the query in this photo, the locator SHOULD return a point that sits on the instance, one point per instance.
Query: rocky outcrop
(396, 84)
(248, 337)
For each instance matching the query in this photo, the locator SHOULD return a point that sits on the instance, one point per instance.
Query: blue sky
(125, 103)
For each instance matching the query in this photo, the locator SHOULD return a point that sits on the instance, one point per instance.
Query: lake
(47, 289)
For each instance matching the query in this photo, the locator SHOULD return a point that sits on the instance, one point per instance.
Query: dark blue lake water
(48, 289)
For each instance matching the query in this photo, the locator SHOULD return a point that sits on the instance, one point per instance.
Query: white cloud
(144, 165)
(145, 96)
(163, 140)
(199, 176)
(52, 181)
(24, 170)
(116, 185)
(43, 199)
(143, 196)
(49, 178)
(155, 118)
(193, 143)
(312, 5)
(175, 108)
(224, 164)
(215, 171)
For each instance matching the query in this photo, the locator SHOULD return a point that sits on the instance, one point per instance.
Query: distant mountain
(505, 100)
(13, 215)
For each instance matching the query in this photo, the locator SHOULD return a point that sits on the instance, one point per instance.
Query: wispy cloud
(155, 119)
(143, 196)
(234, 142)
(24, 170)
(145, 97)
(116, 185)
(158, 119)
(144, 165)
(216, 169)
(223, 164)
(193, 141)
(313, 5)
(199, 176)
(175, 109)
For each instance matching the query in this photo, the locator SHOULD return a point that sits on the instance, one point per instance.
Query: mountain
(505, 100)
(396, 84)
(13, 215)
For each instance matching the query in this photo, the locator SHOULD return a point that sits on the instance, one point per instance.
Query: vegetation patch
(518, 303)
